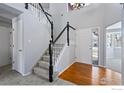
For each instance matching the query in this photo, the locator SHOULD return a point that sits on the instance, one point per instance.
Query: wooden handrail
(60, 34)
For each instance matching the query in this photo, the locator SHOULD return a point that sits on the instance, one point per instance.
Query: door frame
(18, 36)
(99, 58)
(122, 48)
(105, 31)
(98, 44)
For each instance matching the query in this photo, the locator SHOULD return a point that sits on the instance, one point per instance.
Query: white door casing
(122, 47)
(84, 45)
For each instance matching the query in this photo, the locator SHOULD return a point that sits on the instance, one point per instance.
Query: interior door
(83, 45)
(18, 43)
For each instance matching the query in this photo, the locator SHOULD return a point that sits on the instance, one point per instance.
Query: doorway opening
(8, 37)
(5, 42)
(87, 47)
(113, 47)
(95, 46)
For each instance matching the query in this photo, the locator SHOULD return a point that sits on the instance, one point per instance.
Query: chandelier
(73, 6)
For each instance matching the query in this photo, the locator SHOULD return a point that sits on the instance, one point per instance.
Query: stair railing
(53, 52)
(38, 8)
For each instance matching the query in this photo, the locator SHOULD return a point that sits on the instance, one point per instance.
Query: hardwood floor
(84, 74)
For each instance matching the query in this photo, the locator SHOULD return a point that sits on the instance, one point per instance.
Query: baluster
(40, 15)
(37, 10)
(68, 33)
(33, 8)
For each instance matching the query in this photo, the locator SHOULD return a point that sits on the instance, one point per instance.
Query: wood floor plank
(85, 74)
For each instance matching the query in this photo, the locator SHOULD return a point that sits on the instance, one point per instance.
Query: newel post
(50, 63)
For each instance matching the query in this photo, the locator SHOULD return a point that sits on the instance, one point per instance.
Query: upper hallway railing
(38, 8)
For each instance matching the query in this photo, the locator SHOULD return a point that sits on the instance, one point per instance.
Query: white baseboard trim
(82, 62)
(102, 66)
(26, 74)
(77, 60)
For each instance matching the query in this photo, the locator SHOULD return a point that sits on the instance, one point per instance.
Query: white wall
(84, 18)
(66, 58)
(34, 32)
(57, 10)
(5, 24)
(67, 55)
(4, 46)
(95, 15)
(34, 39)
(122, 49)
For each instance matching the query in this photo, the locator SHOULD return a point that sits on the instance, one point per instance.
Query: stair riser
(58, 45)
(42, 67)
(46, 59)
(56, 53)
(42, 74)
(45, 65)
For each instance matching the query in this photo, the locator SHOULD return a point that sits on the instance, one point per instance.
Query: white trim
(77, 60)
(99, 45)
(104, 46)
(84, 63)
(26, 74)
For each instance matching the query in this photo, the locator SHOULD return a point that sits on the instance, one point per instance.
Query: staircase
(42, 67)
(45, 66)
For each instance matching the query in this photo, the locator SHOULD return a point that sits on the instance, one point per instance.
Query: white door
(18, 43)
(83, 45)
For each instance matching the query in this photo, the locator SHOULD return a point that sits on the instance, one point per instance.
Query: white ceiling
(45, 5)
(115, 26)
(8, 12)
